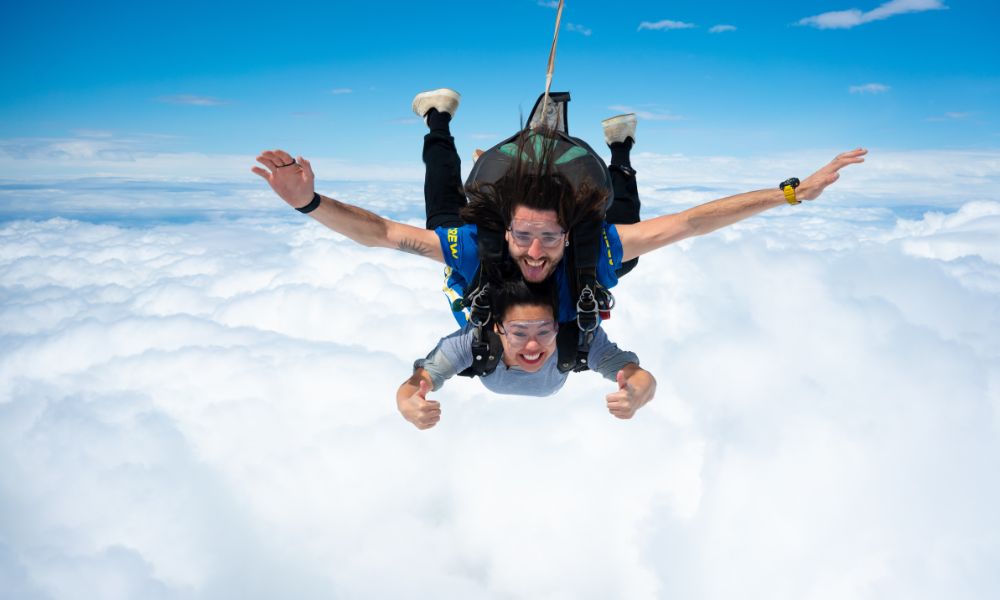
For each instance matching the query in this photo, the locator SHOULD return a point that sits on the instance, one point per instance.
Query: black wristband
(313, 205)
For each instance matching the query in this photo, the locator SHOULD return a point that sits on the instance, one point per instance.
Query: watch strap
(313, 205)
(790, 195)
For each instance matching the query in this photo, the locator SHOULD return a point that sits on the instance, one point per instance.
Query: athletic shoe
(619, 128)
(444, 100)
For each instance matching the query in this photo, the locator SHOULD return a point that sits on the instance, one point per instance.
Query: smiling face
(536, 242)
(528, 336)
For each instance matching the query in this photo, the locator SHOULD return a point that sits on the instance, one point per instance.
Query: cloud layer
(204, 409)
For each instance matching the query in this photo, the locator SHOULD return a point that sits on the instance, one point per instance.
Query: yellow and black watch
(788, 186)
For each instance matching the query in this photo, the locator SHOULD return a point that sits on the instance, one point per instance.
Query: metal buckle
(478, 309)
(586, 311)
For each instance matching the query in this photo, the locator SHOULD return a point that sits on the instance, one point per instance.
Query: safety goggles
(524, 232)
(519, 333)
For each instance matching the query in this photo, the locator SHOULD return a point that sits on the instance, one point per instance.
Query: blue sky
(335, 78)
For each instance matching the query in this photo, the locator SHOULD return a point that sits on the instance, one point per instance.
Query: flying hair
(533, 181)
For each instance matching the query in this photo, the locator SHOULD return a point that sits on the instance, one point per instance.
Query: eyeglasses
(524, 232)
(519, 333)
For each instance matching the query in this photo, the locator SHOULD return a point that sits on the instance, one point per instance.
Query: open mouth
(534, 269)
(531, 359)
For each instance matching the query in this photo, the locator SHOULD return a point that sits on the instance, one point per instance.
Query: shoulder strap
(570, 355)
(486, 353)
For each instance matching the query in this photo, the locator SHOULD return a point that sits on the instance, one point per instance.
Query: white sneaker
(444, 100)
(619, 128)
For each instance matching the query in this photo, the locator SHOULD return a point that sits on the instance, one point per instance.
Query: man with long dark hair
(536, 234)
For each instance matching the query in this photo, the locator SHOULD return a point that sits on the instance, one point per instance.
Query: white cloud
(549, 3)
(645, 115)
(93, 133)
(578, 29)
(140, 158)
(846, 19)
(869, 88)
(205, 409)
(341, 91)
(916, 178)
(951, 116)
(192, 100)
(722, 28)
(665, 24)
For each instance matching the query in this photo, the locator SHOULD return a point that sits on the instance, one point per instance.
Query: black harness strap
(486, 353)
(486, 346)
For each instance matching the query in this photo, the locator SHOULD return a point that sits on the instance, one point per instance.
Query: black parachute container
(546, 134)
(572, 156)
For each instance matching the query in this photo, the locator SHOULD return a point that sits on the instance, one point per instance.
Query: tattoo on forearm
(413, 247)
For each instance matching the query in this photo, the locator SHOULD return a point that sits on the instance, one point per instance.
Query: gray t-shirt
(453, 354)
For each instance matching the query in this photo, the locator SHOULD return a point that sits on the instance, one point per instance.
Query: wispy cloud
(92, 133)
(665, 24)
(645, 115)
(405, 121)
(951, 116)
(869, 88)
(341, 91)
(578, 28)
(722, 28)
(548, 3)
(846, 19)
(192, 100)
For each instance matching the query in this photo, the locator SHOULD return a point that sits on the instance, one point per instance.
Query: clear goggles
(519, 333)
(524, 232)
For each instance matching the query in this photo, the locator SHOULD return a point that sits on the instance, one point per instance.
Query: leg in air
(619, 134)
(444, 195)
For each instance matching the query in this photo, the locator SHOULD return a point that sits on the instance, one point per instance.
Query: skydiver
(536, 239)
(527, 332)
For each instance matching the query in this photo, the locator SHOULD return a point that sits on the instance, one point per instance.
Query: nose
(532, 346)
(535, 250)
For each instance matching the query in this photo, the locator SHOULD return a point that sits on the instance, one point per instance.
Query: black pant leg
(624, 209)
(444, 195)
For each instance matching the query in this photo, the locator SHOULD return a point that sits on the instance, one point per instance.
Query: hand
(420, 411)
(631, 396)
(812, 186)
(291, 179)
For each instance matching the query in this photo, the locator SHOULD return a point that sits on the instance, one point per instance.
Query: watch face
(793, 181)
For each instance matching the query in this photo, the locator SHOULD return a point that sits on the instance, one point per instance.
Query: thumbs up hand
(415, 407)
(635, 388)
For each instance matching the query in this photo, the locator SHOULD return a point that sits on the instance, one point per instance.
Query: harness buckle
(480, 313)
(586, 311)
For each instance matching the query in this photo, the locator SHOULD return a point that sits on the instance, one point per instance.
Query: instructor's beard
(535, 262)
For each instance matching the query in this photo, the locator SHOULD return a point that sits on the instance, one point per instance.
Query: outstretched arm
(294, 180)
(411, 399)
(645, 236)
(636, 387)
